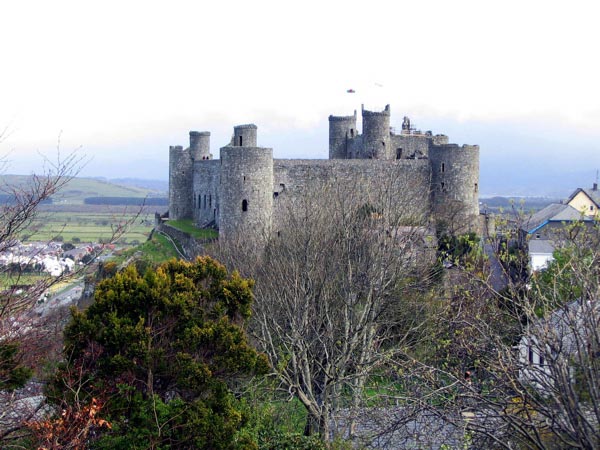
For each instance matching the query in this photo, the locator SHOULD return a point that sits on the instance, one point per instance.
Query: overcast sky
(123, 80)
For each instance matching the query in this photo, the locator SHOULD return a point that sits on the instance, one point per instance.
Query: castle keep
(246, 189)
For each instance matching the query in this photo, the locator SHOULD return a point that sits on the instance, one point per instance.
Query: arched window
(244, 205)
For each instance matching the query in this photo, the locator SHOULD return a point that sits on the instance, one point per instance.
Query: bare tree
(26, 337)
(520, 367)
(336, 291)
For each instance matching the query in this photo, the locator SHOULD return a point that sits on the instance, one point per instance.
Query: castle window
(476, 187)
(199, 201)
(530, 354)
(240, 141)
(351, 132)
(209, 200)
(275, 194)
(398, 153)
(244, 205)
(443, 168)
(443, 187)
(204, 201)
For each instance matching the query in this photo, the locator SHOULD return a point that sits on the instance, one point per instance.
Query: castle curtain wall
(405, 182)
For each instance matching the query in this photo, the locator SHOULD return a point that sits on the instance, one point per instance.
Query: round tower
(246, 189)
(341, 129)
(244, 135)
(180, 183)
(376, 133)
(455, 185)
(200, 145)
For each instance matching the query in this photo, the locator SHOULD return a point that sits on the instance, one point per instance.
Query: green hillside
(79, 188)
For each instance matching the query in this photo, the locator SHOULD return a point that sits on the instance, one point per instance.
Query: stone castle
(244, 191)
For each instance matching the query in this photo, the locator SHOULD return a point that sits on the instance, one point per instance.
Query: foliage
(67, 246)
(71, 429)
(558, 282)
(455, 248)
(160, 351)
(523, 358)
(13, 374)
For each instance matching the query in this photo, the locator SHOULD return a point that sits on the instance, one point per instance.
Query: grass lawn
(188, 227)
(154, 251)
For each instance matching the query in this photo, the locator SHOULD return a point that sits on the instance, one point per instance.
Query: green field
(94, 225)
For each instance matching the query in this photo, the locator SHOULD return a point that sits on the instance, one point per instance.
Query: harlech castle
(246, 189)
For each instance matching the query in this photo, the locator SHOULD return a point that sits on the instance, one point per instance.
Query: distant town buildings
(47, 257)
(542, 229)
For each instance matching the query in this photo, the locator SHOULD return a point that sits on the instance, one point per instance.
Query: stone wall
(405, 182)
(410, 146)
(180, 183)
(206, 192)
(455, 178)
(245, 192)
(376, 134)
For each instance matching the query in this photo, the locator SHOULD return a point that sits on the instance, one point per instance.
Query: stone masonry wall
(245, 192)
(206, 192)
(407, 181)
(192, 247)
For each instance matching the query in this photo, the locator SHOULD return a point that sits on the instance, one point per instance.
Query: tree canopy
(159, 352)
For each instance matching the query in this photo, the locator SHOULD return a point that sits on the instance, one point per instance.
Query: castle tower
(341, 129)
(200, 145)
(376, 134)
(244, 136)
(455, 185)
(180, 183)
(246, 189)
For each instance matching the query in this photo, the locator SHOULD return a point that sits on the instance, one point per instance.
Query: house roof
(594, 195)
(555, 212)
(566, 324)
(541, 246)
